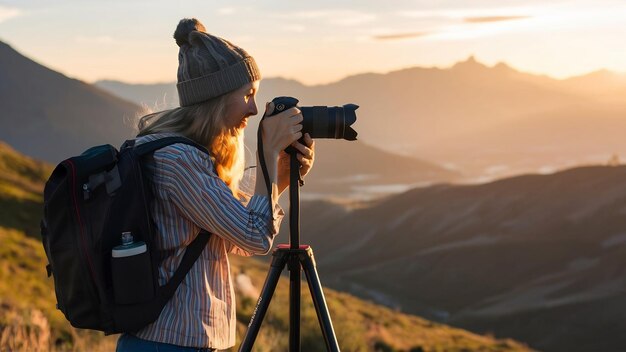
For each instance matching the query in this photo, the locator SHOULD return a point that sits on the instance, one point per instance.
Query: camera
(322, 121)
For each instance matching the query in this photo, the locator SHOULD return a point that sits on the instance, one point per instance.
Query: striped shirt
(189, 196)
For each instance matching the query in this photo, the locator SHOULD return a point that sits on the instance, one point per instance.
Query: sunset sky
(321, 41)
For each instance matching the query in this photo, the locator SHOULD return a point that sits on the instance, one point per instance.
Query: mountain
(485, 122)
(470, 115)
(50, 117)
(29, 320)
(538, 258)
(600, 84)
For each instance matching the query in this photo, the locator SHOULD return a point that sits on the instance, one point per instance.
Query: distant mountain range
(486, 122)
(539, 258)
(51, 117)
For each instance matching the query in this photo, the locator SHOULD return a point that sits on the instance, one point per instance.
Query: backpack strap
(195, 248)
(192, 253)
(146, 148)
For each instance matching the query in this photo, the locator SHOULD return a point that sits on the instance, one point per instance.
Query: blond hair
(205, 124)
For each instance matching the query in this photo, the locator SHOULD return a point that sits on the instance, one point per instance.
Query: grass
(28, 304)
(21, 190)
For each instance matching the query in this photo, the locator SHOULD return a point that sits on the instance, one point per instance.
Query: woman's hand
(306, 156)
(277, 132)
(280, 130)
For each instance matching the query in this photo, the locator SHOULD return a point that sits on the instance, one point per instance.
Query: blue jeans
(130, 343)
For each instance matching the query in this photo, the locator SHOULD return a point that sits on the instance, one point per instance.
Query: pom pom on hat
(186, 26)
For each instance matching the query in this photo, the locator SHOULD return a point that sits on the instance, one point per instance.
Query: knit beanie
(209, 66)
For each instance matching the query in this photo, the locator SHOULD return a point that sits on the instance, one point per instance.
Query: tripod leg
(323, 316)
(277, 266)
(295, 278)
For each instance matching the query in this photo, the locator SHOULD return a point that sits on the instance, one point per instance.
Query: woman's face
(240, 105)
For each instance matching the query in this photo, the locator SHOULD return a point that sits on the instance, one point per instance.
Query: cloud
(7, 13)
(473, 15)
(487, 19)
(399, 36)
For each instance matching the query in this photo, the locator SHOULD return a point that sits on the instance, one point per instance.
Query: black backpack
(89, 201)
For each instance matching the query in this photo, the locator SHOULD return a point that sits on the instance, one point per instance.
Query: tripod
(297, 257)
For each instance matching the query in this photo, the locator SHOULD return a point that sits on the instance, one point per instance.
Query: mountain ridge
(483, 121)
(504, 256)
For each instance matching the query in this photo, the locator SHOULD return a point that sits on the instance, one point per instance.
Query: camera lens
(330, 122)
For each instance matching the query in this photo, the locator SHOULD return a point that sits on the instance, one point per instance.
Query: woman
(217, 84)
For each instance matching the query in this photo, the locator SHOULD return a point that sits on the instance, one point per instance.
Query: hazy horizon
(441, 67)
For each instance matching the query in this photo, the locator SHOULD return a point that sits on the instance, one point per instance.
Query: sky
(322, 41)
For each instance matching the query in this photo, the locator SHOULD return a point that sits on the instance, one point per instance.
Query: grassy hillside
(359, 325)
(29, 320)
(21, 188)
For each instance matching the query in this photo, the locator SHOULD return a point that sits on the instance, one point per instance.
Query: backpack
(89, 201)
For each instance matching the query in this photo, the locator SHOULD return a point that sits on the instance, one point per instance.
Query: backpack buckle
(111, 179)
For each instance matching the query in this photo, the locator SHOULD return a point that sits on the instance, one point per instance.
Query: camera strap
(266, 174)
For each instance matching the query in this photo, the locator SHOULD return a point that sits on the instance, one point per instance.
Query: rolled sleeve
(263, 204)
(260, 209)
(205, 199)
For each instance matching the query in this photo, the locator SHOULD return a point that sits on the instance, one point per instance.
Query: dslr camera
(322, 121)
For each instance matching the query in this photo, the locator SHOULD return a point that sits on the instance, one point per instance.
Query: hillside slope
(50, 117)
(29, 321)
(519, 256)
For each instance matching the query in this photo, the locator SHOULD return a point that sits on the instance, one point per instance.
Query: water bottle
(131, 270)
(128, 247)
